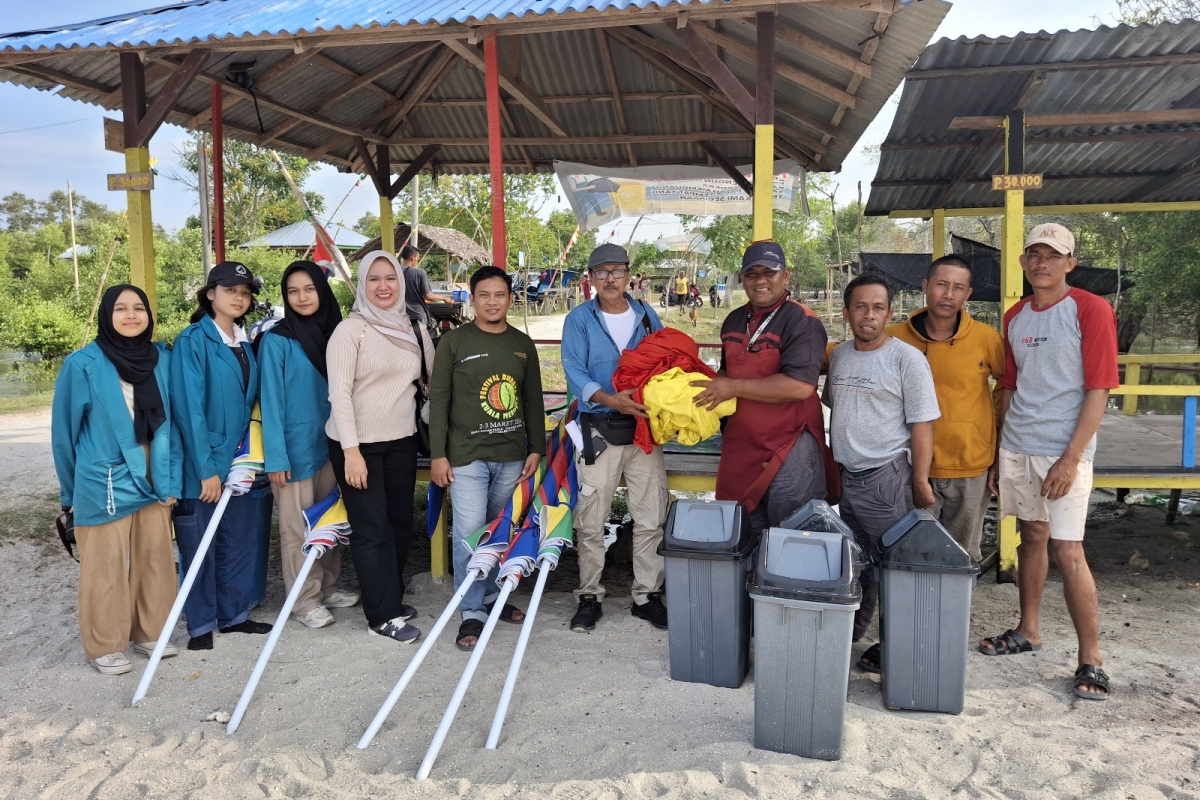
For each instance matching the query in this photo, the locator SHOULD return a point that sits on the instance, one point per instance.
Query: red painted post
(218, 134)
(491, 63)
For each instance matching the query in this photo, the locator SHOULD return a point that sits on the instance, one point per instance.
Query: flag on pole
(520, 559)
(249, 460)
(488, 544)
(326, 525)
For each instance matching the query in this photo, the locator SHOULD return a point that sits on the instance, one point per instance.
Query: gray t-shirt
(416, 286)
(874, 397)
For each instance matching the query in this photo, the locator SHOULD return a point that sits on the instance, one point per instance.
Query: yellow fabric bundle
(673, 412)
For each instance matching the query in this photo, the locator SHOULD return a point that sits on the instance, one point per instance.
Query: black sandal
(1089, 675)
(469, 627)
(1007, 644)
(506, 613)
(871, 659)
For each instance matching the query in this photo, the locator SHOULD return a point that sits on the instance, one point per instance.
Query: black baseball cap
(764, 254)
(231, 273)
(608, 254)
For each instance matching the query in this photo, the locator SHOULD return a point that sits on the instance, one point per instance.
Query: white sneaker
(147, 649)
(319, 617)
(111, 664)
(340, 599)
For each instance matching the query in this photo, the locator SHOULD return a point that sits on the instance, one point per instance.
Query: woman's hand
(356, 468)
(210, 489)
(280, 479)
(440, 472)
(170, 501)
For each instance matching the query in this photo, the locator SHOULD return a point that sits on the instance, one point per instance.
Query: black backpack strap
(645, 318)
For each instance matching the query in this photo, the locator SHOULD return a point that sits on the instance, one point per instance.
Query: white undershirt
(620, 326)
(239, 336)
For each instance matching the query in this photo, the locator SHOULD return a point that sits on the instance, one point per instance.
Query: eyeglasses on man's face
(603, 274)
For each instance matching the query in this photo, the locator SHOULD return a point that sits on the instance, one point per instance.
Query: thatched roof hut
(437, 241)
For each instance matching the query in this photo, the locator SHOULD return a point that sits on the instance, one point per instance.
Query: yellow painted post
(1133, 377)
(764, 180)
(141, 229)
(939, 233)
(439, 560)
(387, 225)
(764, 124)
(1011, 281)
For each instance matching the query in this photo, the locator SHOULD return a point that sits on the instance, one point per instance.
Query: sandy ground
(595, 717)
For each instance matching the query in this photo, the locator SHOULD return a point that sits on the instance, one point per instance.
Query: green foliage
(1136, 12)
(42, 327)
(368, 225)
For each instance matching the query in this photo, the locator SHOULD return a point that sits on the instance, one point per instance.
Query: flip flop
(469, 627)
(1090, 675)
(506, 613)
(871, 659)
(1007, 644)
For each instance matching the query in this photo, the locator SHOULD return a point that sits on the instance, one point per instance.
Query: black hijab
(135, 359)
(312, 332)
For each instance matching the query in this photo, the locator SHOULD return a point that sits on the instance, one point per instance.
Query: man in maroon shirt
(775, 459)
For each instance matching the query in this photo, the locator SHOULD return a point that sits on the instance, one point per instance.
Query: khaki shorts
(1021, 478)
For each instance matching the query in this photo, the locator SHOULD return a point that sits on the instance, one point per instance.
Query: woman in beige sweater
(374, 359)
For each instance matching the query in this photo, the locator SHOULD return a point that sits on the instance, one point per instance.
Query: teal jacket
(101, 467)
(212, 408)
(295, 407)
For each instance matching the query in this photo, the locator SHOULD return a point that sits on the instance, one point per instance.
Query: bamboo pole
(339, 259)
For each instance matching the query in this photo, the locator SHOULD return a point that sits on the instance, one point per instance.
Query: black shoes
(249, 626)
(202, 642)
(653, 610)
(588, 613)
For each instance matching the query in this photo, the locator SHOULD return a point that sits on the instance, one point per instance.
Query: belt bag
(617, 429)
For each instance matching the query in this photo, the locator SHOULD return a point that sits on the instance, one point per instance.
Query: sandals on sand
(469, 627)
(1089, 675)
(506, 613)
(1007, 644)
(871, 659)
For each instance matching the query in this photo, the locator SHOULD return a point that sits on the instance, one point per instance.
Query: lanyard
(762, 327)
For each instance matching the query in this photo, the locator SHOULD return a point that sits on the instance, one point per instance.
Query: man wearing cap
(417, 289)
(963, 356)
(594, 334)
(774, 458)
(1060, 362)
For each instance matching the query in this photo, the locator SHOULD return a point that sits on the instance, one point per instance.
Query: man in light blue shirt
(594, 335)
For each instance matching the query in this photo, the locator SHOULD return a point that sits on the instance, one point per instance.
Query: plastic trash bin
(706, 550)
(805, 592)
(925, 616)
(816, 515)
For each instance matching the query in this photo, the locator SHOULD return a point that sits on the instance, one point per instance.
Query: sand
(595, 717)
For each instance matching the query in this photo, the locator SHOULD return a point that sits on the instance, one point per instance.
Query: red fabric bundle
(660, 351)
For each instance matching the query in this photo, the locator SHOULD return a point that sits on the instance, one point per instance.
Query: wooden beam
(512, 64)
(715, 69)
(333, 65)
(422, 86)
(163, 104)
(63, 79)
(380, 180)
(515, 87)
(133, 96)
(1139, 62)
(618, 106)
(870, 47)
(412, 169)
(550, 141)
(1156, 186)
(261, 81)
(560, 99)
(798, 38)
(727, 166)
(1161, 117)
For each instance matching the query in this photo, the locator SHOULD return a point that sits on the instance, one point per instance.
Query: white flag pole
(460, 691)
(181, 597)
(518, 656)
(413, 665)
(276, 632)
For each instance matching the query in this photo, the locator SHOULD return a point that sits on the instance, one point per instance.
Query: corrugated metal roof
(561, 61)
(300, 234)
(1158, 68)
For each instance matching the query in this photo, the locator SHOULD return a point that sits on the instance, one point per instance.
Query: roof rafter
(618, 104)
(519, 91)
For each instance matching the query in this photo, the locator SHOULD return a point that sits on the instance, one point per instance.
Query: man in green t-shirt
(487, 429)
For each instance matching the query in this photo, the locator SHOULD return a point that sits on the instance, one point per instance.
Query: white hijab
(392, 322)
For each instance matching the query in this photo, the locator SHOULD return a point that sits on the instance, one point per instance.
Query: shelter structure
(453, 244)
(389, 90)
(1105, 120)
(301, 236)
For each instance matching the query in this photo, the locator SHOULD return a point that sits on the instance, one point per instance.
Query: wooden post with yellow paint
(387, 225)
(764, 127)
(141, 229)
(939, 233)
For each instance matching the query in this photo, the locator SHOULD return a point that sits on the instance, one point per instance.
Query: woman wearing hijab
(111, 438)
(375, 361)
(214, 383)
(295, 408)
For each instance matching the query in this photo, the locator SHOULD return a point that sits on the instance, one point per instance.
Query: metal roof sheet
(300, 234)
(1151, 68)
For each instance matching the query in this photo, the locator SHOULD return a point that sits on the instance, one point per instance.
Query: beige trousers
(127, 580)
(292, 499)
(646, 476)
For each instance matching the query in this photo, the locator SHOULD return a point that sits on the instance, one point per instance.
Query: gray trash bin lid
(918, 542)
(816, 515)
(815, 566)
(717, 529)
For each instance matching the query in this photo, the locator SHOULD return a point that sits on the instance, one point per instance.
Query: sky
(47, 140)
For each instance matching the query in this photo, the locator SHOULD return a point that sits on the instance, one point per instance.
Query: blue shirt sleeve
(188, 391)
(575, 358)
(72, 399)
(272, 355)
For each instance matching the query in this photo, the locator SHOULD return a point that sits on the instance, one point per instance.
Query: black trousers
(381, 519)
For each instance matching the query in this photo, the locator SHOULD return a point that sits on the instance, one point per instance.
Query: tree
(1136, 12)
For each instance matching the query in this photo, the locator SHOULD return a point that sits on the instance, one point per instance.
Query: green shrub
(42, 327)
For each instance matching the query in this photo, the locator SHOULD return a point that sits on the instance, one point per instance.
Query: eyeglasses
(602, 274)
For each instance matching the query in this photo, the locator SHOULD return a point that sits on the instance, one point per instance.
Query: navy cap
(764, 254)
(608, 254)
(231, 273)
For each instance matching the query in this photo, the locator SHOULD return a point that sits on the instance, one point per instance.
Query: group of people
(143, 435)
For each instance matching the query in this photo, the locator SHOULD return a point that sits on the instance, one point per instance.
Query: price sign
(1003, 183)
(131, 182)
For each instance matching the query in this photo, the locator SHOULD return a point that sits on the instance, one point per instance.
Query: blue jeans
(223, 592)
(479, 492)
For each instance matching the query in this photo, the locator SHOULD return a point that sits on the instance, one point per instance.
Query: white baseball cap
(1054, 235)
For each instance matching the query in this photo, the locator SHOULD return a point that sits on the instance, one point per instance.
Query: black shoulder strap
(421, 346)
(645, 318)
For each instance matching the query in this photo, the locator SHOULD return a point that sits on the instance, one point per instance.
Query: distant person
(882, 406)
(1060, 348)
(681, 292)
(417, 289)
(594, 336)
(713, 298)
(376, 358)
(295, 411)
(487, 431)
(214, 385)
(110, 434)
(586, 286)
(963, 355)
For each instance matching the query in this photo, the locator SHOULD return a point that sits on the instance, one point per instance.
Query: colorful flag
(326, 525)
(520, 559)
(249, 460)
(488, 543)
